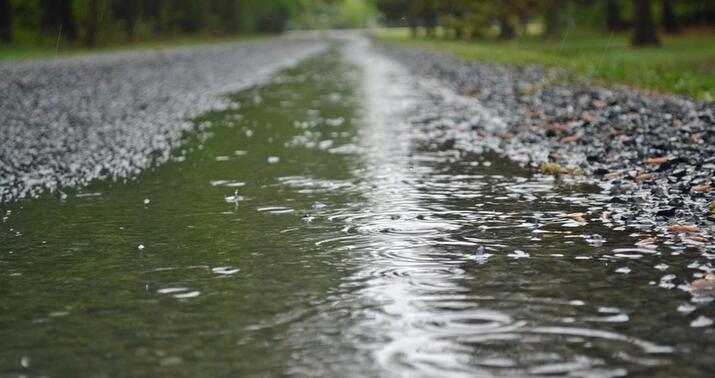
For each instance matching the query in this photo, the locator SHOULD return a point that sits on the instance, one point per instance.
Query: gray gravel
(67, 121)
(653, 156)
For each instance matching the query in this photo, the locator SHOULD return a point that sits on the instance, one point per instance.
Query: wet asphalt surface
(67, 121)
(655, 154)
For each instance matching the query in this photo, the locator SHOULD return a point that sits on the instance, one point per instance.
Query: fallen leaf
(702, 188)
(571, 139)
(657, 161)
(507, 136)
(588, 117)
(680, 228)
(706, 283)
(677, 122)
(613, 174)
(643, 177)
(578, 217)
(647, 242)
(700, 239)
(605, 215)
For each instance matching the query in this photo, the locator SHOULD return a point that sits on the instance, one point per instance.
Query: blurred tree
(505, 10)
(614, 22)
(128, 12)
(644, 32)
(57, 17)
(90, 37)
(5, 21)
(552, 17)
(669, 22)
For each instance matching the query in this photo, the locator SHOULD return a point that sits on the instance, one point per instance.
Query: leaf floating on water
(648, 243)
(703, 284)
(578, 217)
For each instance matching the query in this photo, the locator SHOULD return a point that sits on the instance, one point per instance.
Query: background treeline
(92, 22)
(508, 18)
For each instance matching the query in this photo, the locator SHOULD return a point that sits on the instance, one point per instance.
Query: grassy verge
(20, 52)
(685, 64)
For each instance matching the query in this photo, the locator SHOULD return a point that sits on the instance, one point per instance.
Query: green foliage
(682, 65)
(40, 23)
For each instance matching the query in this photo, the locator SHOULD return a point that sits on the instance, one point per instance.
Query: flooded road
(336, 222)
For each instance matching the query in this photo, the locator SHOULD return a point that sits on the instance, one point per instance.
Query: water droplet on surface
(225, 270)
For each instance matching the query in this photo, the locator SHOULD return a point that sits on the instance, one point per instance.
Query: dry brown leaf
(613, 174)
(578, 217)
(677, 122)
(682, 228)
(599, 104)
(571, 139)
(702, 188)
(647, 241)
(588, 117)
(694, 139)
(507, 136)
(657, 161)
(700, 239)
(706, 283)
(643, 177)
(605, 215)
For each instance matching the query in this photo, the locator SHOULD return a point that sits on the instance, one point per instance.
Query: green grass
(21, 52)
(683, 64)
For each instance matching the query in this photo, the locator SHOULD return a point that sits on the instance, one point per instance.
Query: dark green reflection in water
(79, 298)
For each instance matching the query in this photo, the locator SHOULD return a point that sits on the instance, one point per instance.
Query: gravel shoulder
(654, 156)
(65, 122)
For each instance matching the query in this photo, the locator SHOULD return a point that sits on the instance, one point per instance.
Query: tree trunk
(506, 29)
(64, 11)
(644, 33)
(5, 21)
(412, 24)
(670, 24)
(552, 21)
(92, 20)
(613, 16)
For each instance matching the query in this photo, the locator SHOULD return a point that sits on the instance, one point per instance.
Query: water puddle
(337, 222)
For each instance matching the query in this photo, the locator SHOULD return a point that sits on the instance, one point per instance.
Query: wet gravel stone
(654, 154)
(67, 121)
